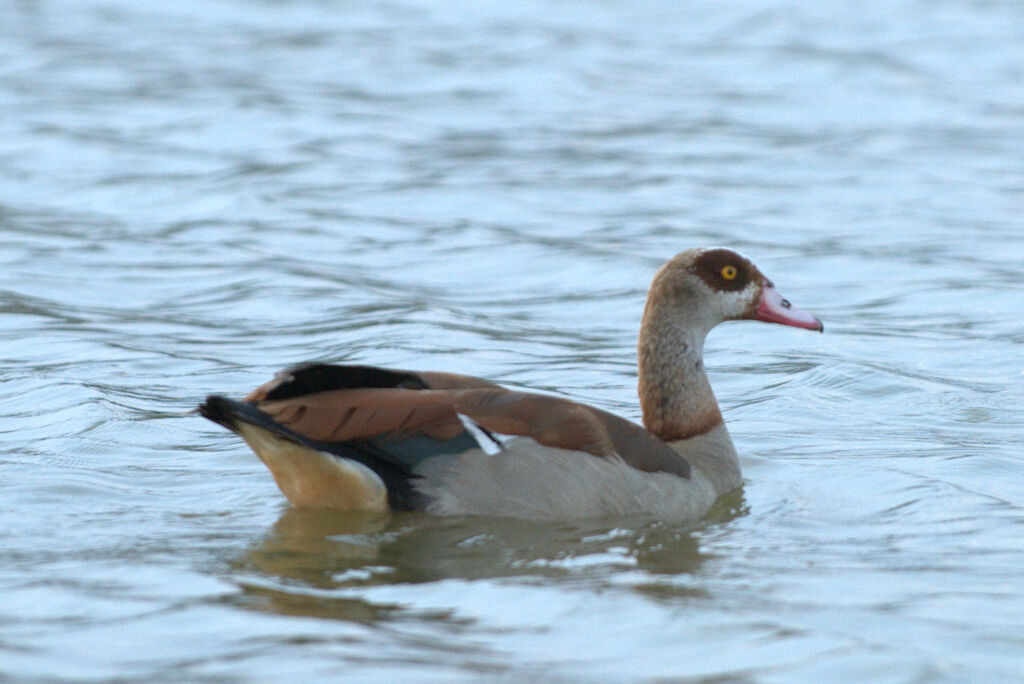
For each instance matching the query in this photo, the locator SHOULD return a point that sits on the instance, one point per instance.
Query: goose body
(374, 439)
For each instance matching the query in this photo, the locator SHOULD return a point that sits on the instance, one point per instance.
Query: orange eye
(729, 272)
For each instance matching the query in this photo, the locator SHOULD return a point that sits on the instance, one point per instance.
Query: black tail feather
(397, 475)
(219, 410)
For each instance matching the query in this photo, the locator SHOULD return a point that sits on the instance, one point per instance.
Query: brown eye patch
(723, 269)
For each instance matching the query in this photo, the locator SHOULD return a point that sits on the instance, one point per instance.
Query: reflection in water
(309, 553)
(313, 546)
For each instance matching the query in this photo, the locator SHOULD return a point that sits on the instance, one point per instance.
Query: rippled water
(194, 194)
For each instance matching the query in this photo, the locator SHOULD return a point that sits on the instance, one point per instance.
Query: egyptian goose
(374, 439)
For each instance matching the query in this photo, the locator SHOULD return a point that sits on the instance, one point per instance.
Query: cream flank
(314, 479)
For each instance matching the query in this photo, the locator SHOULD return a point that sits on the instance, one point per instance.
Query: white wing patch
(488, 441)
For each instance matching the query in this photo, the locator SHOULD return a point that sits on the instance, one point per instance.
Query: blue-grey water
(196, 193)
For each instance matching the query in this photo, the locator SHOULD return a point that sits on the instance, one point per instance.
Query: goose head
(702, 287)
(692, 293)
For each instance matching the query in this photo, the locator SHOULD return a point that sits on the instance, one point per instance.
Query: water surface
(193, 195)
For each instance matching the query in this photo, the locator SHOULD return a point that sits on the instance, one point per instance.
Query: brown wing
(404, 404)
(351, 414)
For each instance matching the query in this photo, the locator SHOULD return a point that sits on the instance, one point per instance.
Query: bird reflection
(310, 560)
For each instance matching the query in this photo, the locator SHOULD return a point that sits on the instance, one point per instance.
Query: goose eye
(729, 272)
